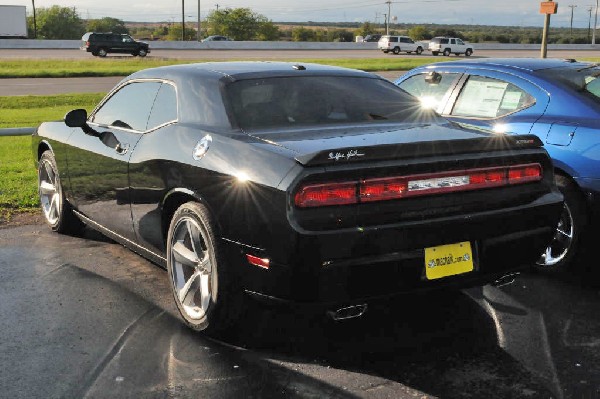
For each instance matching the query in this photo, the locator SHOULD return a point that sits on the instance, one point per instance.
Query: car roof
(247, 70)
(523, 64)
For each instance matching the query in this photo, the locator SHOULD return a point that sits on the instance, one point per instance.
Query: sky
(482, 12)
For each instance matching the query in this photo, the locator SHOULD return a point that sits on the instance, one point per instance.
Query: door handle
(122, 149)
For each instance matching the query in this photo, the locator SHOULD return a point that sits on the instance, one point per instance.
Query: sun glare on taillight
(389, 188)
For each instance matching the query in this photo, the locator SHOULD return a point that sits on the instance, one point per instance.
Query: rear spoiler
(499, 142)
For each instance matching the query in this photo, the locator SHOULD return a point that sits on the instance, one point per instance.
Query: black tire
(565, 247)
(396, 50)
(213, 302)
(57, 212)
(435, 52)
(94, 53)
(447, 52)
(419, 50)
(468, 52)
(102, 52)
(142, 52)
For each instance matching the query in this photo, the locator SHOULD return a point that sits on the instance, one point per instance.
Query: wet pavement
(86, 318)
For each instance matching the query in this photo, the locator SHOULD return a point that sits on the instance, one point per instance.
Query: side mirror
(76, 118)
(433, 78)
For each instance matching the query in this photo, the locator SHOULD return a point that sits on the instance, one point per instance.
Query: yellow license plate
(448, 260)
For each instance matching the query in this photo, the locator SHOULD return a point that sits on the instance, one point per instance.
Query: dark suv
(100, 44)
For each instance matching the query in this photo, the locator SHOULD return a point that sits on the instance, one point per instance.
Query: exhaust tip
(348, 312)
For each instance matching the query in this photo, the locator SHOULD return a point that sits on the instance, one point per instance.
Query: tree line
(63, 23)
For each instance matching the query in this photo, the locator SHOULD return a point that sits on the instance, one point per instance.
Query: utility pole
(217, 5)
(387, 21)
(385, 16)
(199, 36)
(595, 23)
(572, 6)
(34, 21)
(589, 21)
(182, 20)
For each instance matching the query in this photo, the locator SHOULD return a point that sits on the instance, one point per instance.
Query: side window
(444, 41)
(483, 97)
(452, 41)
(129, 107)
(164, 109)
(458, 41)
(394, 39)
(432, 93)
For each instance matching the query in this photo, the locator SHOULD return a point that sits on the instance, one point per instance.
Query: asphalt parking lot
(84, 317)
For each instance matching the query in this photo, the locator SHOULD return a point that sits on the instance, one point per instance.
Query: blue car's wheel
(564, 249)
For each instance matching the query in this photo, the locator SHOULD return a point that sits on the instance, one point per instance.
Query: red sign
(548, 7)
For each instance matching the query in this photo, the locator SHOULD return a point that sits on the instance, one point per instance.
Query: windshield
(583, 80)
(279, 102)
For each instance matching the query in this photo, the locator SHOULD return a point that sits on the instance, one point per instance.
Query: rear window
(295, 101)
(583, 80)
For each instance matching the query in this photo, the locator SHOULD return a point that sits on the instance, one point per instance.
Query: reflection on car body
(277, 181)
(556, 100)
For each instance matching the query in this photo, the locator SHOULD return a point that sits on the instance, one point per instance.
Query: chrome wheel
(193, 271)
(49, 191)
(561, 243)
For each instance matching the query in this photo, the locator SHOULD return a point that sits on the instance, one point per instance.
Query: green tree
(175, 33)
(107, 24)
(419, 33)
(301, 34)
(59, 23)
(267, 30)
(239, 24)
(366, 29)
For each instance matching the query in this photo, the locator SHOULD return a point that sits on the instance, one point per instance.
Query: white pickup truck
(397, 44)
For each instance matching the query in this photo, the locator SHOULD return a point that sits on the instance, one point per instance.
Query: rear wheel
(201, 281)
(396, 50)
(564, 248)
(419, 50)
(447, 52)
(102, 52)
(57, 211)
(385, 51)
(468, 52)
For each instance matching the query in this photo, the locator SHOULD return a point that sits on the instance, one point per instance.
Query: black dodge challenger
(302, 184)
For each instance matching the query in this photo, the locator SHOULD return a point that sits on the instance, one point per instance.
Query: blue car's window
(483, 97)
(432, 91)
(259, 103)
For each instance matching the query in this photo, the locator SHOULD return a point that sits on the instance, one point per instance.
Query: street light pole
(182, 20)
(199, 35)
(389, 15)
(34, 21)
(595, 23)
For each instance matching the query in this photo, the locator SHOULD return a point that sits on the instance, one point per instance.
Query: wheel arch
(173, 200)
(43, 146)
(566, 175)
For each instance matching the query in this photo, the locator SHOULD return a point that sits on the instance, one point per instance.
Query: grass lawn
(121, 67)
(18, 185)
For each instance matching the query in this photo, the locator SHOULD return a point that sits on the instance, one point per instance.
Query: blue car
(557, 100)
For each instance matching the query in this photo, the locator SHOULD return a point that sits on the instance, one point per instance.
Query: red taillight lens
(382, 189)
(87, 44)
(524, 173)
(326, 194)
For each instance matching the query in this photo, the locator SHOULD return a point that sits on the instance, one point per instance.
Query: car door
(496, 101)
(98, 171)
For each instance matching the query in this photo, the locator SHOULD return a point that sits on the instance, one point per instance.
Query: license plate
(448, 260)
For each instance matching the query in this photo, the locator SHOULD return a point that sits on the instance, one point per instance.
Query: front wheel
(142, 52)
(200, 278)
(565, 245)
(58, 213)
(419, 50)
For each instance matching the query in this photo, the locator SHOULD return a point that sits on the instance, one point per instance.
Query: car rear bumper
(353, 265)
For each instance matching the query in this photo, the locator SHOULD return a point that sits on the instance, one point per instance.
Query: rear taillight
(87, 44)
(388, 188)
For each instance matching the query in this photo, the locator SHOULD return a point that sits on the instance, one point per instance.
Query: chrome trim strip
(120, 238)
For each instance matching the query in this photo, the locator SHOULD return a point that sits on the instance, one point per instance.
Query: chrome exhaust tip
(348, 312)
(506, 280)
